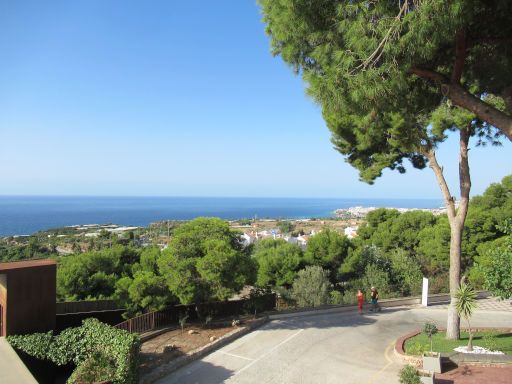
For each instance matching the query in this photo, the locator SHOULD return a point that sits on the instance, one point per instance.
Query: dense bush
(99, 351)
(278, 262)
(206, 261)
(409, 375)
(311, 287)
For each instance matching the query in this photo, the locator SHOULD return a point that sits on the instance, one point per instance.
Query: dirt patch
(175, 343)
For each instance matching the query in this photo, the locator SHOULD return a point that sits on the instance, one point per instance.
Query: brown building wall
(30, 302)
(3, 303)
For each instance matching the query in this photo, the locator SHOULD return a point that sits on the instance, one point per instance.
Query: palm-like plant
(466, 305)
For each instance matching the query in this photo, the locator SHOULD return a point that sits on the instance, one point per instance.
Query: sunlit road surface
(321, 348)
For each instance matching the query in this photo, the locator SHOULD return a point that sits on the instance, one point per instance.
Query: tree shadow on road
(329, 320)
(198, 372)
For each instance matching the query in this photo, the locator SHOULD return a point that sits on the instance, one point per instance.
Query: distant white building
(246, 239)
(263, 235)
(351, 232)
(290, 239)
(303, 240)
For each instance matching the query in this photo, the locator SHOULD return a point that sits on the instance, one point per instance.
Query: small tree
(466, 304)
(311, 287)
(430, 329)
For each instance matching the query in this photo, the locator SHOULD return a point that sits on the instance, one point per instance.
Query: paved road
(322, 348)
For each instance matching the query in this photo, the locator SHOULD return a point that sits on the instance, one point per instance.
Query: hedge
(99, 351)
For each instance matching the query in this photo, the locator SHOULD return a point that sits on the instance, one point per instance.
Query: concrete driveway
(320, 348)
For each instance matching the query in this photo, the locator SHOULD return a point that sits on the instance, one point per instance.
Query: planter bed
(503, 342)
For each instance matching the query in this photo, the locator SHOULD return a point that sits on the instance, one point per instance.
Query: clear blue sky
(173, 98)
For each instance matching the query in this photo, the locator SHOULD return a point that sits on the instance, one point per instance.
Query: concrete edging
(198, 353)
(12, 368)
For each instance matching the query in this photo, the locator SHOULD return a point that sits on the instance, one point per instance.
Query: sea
(25, 215)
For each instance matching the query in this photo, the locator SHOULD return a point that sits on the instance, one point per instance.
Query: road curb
(412, 301)
(167, 368)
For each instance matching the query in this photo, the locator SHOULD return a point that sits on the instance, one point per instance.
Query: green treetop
(278, 262)
(376, 64)
(328, 249)
(205, 260)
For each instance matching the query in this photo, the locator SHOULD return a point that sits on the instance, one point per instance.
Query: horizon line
(217, 196)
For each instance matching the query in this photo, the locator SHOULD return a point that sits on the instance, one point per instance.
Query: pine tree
(394, 77)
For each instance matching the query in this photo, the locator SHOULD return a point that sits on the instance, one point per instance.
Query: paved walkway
(12, 369)
(476, 375)
(490, 304)
(320, 348)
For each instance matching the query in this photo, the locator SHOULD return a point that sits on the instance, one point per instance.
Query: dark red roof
(26, 264)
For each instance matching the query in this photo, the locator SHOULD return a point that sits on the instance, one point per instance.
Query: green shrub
(417, 349)
(37, 345)
(409, 375)
(349, 298)
(117, 350)
(335, 297)
(491, 341)
(96, 368)
(311, 287)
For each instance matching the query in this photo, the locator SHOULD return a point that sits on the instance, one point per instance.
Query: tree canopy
(278, 262)
(328, 249)
(380, 69)
(205, 260)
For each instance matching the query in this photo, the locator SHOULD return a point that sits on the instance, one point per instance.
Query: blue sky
(175, 98)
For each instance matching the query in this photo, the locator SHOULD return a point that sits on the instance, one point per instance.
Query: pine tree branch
(463, 98)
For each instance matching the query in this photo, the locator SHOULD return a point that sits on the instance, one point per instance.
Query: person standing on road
(360, 301)
(375, 299)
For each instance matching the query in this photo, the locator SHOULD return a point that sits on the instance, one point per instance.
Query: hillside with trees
(206, 260)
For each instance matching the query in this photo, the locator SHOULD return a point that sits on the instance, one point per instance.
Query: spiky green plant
(183, 321)
(466, 305)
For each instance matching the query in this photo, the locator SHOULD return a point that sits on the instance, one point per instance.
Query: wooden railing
(171, 315)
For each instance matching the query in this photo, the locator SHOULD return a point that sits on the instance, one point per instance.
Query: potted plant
(431, 360)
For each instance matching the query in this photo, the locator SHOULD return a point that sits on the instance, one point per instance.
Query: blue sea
(24, 215)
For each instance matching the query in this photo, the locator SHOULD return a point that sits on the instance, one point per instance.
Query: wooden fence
(86, 306)
(171, 315)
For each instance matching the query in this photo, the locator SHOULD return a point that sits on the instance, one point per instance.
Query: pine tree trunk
(456, 218)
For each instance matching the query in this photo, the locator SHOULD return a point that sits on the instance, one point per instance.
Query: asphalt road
(321, 348)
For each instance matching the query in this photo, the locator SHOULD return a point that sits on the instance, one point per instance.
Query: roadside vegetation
(206, 260)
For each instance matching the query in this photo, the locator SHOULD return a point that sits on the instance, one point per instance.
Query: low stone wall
(198, 353)
(415, 361)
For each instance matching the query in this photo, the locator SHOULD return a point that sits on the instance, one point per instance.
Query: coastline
(28, 215)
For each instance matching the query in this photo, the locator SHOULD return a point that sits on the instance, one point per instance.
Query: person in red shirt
(360, 301)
